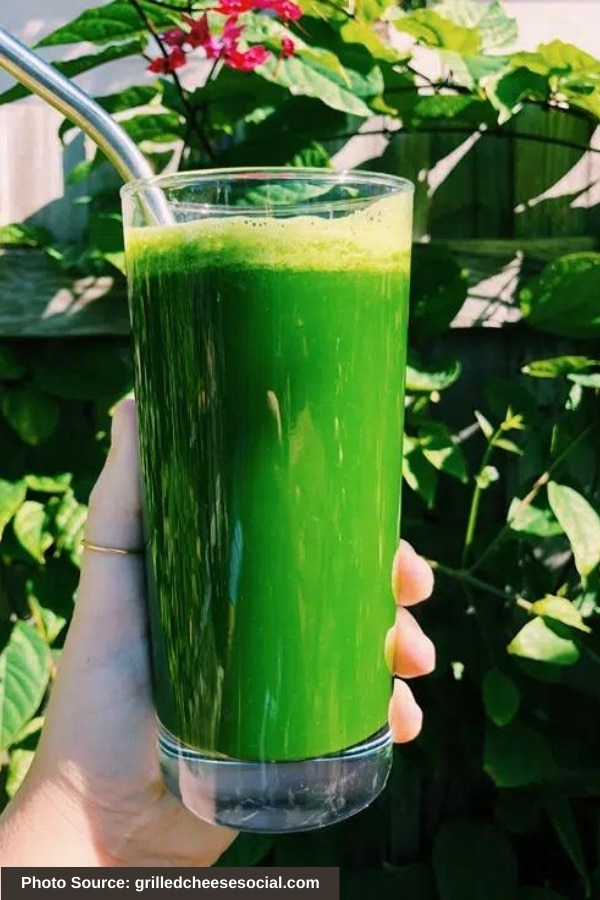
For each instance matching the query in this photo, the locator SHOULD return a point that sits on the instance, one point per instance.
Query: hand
(96, 773)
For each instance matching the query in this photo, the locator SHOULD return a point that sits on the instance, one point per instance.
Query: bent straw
(53, 87)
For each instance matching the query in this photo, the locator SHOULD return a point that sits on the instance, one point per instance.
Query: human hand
(96, 770)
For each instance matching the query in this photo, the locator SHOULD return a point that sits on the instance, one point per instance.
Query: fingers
(109, 606)
(405, 716)
(408, 651)
(412, 577)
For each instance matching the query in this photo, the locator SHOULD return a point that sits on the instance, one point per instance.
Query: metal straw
(53, 87)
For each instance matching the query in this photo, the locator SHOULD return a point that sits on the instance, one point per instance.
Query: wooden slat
(38, 299)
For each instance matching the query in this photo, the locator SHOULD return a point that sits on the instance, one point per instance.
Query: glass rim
(354, 177)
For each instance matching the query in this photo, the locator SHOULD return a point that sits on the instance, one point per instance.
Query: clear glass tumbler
(269, 327)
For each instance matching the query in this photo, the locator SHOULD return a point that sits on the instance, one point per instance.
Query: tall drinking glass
(269, 328)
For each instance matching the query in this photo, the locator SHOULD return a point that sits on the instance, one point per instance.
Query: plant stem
(476, 499)
(543, 479)
(190, 114)
(464, 576)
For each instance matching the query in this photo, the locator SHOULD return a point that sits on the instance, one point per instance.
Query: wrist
(46, 825)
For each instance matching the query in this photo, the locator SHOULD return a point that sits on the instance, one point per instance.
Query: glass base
(276, 797)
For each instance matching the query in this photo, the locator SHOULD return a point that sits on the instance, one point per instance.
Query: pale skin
(93, 796)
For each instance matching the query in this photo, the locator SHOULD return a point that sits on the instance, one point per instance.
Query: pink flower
(165, 64)
(288, 48)
(248, 60)
(234, 7)
(285, 9)
(175, 37)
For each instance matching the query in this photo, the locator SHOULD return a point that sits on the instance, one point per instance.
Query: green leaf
(533, 520)
(507, 91)
(484, 424)
(48, 623)
(314, 73)
(440, 449)
(24, 235)
(69, 522)
(49, 484)
(438, 291)
(11, 367)
(24, 674)
(125, 101)
(12, 497)
(561, 815)
(563, 300)
(501, 697)
(418, 472)
(32, 414)
(464, 854)
(559, 58)
(29, 525)
(160, 127)
(73, 67)
(433, 30)
(586, 381)
(18, 766)
(560, 610)
(558, 365)
(114, 21)
(495, 27)
(516, 755)
(536, 640)
(508, 446)
(581, 524)
(430, 377)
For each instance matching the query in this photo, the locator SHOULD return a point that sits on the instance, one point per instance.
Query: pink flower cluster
(224, 46)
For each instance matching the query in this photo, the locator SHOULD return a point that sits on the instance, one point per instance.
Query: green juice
(270, 359)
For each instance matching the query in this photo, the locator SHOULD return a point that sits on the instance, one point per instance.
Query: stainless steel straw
(49, 84)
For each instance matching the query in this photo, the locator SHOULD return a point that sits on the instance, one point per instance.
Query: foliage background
(498, 799)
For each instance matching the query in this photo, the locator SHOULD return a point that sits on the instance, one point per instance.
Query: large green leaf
(24, 673)
(430, 377)
(114, 21)
(559, 365)
(559, 609)
(22, 234)
(418, 472)
(125, 101)
(18, 766)
(31, 412)
(30, 527)
(428, 27)
(12, 497)
(495, 26)
(580, 522)
(464, 854)
(438, 291)
(441, 449)
(536, 640)
(563, 300)
(532, 519)
(160, 127)
(516, 755)
(558, 58)
(73, 67)
(508, 90)
(501, 697)
(318, 73)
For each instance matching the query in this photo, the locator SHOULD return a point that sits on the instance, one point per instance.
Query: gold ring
(114, 551)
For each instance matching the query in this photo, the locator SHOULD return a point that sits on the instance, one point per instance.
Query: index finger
(412, 577)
